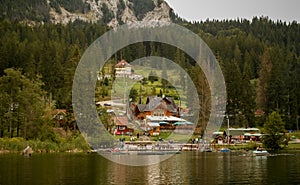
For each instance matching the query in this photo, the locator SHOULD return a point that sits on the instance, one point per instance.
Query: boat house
(244, 134)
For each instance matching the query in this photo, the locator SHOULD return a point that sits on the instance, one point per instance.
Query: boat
(158, 152)
(224, 150)
(117, 151)
(260, 152)
(207, 149)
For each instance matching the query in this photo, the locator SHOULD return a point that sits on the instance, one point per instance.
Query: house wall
(125, 130)
(156, 129)
(126, 71)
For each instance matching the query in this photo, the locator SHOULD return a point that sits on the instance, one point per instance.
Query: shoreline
(14, 145)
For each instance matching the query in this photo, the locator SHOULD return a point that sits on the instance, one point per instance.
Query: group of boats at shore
(257, 152)
(159, 150)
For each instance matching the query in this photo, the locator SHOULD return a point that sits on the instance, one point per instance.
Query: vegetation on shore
(72, 143)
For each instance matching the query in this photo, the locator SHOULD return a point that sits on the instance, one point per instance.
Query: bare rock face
(160, 13)
(114, 12)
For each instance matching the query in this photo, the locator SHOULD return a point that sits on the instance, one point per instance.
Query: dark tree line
(260, 60)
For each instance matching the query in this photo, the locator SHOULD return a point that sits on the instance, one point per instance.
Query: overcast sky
(285, 10)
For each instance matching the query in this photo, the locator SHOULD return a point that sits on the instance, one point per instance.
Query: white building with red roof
(123, 69)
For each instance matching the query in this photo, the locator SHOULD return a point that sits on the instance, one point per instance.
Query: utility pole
(228, 132)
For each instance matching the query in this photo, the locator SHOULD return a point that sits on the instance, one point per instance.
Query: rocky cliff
(110, 12)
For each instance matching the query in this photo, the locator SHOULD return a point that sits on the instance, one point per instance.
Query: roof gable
(141, 107)
(152, 107)
(122, 63)
(121, 120)
(154, 102)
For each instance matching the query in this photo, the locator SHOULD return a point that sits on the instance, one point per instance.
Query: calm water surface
(184, 168)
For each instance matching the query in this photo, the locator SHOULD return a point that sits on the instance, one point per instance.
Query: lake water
(183, 168)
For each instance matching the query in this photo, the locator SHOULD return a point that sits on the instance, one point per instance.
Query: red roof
(122, 63)
(58, 111)
(259, 112)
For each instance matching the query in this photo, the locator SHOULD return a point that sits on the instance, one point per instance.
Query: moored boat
(260, 152)
(208, 150)
(117, 151)
(224, 150)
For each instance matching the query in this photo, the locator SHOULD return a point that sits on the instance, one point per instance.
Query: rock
(161, 13)
(27, 151)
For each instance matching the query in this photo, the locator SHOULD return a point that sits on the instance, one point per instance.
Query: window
(122, 127)
(159, 112)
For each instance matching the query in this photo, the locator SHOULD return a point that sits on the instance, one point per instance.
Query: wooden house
(156, 106)
(122, 128)
(59, 117)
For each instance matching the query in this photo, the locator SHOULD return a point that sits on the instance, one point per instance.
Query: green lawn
(295, 134)
(167, 136)
(144, 90)
(293, 146)
(175, 137)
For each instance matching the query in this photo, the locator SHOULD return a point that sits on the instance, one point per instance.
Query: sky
(196, 10)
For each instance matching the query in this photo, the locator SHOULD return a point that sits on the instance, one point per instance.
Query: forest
(259, 59)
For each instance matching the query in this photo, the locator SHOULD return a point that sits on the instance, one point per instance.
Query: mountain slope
(110, 12)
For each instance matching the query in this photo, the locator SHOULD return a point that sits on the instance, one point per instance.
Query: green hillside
(259, 59)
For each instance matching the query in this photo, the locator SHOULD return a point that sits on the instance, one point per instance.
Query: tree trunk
(1, 129)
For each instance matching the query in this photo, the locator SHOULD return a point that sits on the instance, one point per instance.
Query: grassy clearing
(293, 146)
(146, 89)
(176, 137)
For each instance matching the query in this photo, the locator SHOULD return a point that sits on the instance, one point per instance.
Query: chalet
(123, 69)
(156, 106)
(59, 116)
(121, 123)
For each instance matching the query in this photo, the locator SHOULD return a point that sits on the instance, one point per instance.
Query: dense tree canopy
(22, 104)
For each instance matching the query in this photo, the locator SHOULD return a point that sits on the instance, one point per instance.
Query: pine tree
(274, 132)
(263, 80)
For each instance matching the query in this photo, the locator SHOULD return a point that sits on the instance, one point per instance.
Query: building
(168, 122)
(123, 69)
(156, 106)
(153, 128)
(59, 117)
(122, 128)
(244, 134)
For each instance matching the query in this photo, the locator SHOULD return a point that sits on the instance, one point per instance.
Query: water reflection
(184, 168)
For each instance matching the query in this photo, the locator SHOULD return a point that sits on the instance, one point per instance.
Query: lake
(183, 168)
